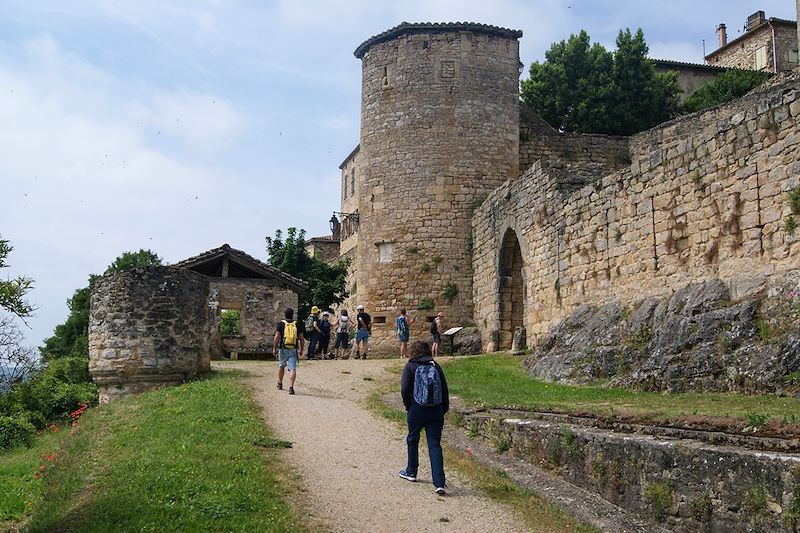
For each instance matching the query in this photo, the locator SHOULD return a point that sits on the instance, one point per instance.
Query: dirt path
(349, 458)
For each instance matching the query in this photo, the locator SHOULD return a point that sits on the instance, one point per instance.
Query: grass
(537, 513)
(476, 380)
(192, 458)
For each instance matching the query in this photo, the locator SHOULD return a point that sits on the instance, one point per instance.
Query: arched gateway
(512, 289)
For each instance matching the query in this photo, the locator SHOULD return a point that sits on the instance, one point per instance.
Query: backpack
(434, 328)
(310, 323)
(427, 385)
(402, 326)
(289, 334)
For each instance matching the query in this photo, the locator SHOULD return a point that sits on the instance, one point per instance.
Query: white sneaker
(403, 475)
(439, 491)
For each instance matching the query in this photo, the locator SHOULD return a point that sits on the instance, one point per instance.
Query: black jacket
(407, 381)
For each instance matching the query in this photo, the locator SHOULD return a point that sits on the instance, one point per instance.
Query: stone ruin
(156, 326)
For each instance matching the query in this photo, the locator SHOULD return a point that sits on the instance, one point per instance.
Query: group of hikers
(423, 387)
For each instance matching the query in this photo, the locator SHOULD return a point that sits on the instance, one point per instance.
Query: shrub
(659, 496)
(725, 87)
(790, 225)
(14, 432)
(68, 370)
(794, 200)
(425, 304)
(450, 292)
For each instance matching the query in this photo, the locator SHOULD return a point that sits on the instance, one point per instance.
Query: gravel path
(348, 458)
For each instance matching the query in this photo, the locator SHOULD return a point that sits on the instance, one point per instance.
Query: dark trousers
(432, 420)
(312, 345)
(324, 343)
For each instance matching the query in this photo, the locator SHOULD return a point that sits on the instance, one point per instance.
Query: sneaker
(291, 390)
(407, 477)
(439, 491)
(280, 386)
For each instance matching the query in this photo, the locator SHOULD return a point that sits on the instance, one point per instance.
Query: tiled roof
(434, 27)
(670, 63)
(254, 263)
(324, 238)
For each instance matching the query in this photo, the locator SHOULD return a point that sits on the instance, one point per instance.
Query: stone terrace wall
(704, 197)
(577, 158)
(261, 306)
(147, 327)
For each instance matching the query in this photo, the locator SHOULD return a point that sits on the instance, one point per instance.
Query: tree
(724, 88)
(71, 338)
(12, 291)
(582, 87)
(326, 282)
(17, 362)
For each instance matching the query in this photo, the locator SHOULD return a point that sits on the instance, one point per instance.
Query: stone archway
(512, 289)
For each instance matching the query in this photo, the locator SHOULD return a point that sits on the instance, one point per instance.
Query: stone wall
(439, 131)
(704, 197)
(261, 305)
(147, 327)
(683, 484)
(577, 159)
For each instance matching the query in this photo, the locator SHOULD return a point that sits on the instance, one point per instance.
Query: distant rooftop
(405, 28)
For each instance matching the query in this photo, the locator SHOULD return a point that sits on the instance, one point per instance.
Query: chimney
(722, 35)
(756, 19)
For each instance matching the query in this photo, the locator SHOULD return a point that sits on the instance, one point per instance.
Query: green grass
(21, 491)
(190, 458)
(499, 380)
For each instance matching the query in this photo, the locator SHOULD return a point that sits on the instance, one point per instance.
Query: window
(352, 182)
(761, 58)
(230, 322)
(448, 69)
(344, 186)
(385, 77)
(792, 56)
(380, 320)
(385, 252)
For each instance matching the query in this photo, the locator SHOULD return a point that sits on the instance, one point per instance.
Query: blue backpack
(402, 326)
(427, 385)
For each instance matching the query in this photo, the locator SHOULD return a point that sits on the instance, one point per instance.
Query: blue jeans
(312, 345)
(432, 419)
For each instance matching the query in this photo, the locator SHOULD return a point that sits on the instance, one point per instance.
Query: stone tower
(439, 131)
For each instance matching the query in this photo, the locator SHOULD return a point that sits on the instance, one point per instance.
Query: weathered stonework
(148, 327)
(703, 197)
(684, 484)
(439, 131)
(742, 52)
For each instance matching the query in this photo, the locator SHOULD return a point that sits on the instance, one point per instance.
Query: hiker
(289, 340)
(424, 391)
(312, 330)
(403, 331)
(324, 326)
(437, 328)
(364, 325)
(342, 329)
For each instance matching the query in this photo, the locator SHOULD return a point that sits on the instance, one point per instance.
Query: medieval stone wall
(439, 131)
(261, 305)
(147, 327)
(703, 197)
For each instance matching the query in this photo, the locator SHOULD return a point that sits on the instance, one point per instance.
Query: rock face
(148, 327)
(694, 340)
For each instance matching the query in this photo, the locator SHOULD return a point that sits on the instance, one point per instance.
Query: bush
(725, 87)
(68, 370)
(14, 432)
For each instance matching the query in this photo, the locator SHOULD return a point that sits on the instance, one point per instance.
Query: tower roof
(405, 28)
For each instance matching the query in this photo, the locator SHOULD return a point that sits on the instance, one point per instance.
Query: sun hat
(314, 310)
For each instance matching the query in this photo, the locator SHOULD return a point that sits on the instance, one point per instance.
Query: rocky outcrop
(695, 340)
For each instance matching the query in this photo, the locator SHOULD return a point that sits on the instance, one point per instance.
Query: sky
(183, 125)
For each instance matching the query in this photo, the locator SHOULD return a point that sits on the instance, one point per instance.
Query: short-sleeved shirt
(279, 328)
(365, 318)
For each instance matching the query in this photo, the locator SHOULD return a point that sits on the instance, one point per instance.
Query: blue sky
(179, 126)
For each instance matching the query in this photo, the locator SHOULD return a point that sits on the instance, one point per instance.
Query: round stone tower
(439, 131)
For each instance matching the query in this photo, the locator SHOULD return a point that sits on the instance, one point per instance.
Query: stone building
(767, 44)
(458, 200)
(157, 326)
(439, 131)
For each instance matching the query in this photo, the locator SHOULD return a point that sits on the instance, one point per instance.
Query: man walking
(287, 343)
(425, 396)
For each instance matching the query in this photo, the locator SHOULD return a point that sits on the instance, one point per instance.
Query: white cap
(361, 307)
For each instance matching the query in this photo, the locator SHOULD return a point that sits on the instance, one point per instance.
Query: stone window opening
(230, 322)
(512, 289)
(385, 77)
(385, 252)
(380, 319)
(344, 187)
(352, 182)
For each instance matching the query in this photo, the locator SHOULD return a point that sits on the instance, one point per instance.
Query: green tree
(326, 282)
(582, 87)
(12, 291)
(71, 338)
(724, 88)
